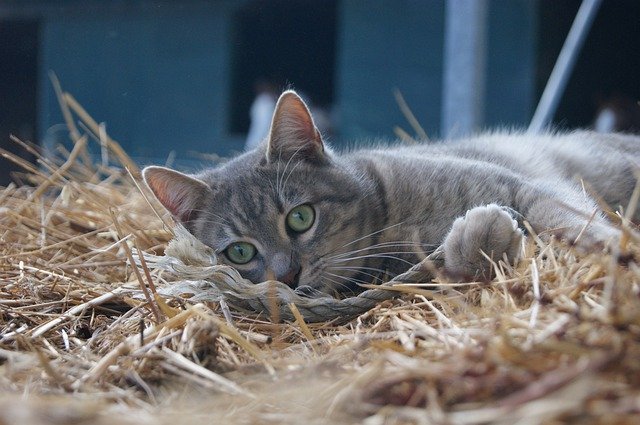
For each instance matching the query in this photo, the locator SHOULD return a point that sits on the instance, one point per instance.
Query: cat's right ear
(293, 132)
(179, 193)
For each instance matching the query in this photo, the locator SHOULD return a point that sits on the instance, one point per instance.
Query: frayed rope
(193, 269)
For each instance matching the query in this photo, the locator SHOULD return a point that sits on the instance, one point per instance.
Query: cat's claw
(488, 229)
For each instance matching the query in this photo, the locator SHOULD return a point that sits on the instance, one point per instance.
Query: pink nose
(291, 277)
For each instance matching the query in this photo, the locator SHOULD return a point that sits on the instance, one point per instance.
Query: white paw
(489, 229)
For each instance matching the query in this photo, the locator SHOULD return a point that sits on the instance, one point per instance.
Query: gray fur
(386, 208)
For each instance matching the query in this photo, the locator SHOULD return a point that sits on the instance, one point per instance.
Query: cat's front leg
(488, 229)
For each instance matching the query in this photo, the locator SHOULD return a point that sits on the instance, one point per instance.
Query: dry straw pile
(87, 339)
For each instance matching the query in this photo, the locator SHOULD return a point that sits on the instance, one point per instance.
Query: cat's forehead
(256, 192)
(261, 192)
(250, 177)
(251, 174)
(252, 206)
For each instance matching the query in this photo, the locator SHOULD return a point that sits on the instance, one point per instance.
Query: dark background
(178, 76)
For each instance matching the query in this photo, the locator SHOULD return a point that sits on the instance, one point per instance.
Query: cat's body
(315, 218)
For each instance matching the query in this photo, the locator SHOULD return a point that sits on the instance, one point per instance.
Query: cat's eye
(301, 218)
(240, 252)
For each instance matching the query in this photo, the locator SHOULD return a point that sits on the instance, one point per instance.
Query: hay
(87, 337)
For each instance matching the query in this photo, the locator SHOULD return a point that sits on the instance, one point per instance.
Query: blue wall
(387, 44)
(158, 72)
(511, 94)
(158, 78)
(383, 45)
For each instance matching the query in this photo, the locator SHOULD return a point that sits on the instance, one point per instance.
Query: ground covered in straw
(85, 337)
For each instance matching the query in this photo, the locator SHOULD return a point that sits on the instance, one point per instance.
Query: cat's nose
(285, 269)
(291, 277)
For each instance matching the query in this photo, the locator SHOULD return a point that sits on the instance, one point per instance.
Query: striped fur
(383, 209)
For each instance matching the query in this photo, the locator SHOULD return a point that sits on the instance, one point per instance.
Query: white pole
(564, 65)
(464, 66)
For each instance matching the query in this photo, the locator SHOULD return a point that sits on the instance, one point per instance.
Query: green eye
(301, 218)
(240, 252)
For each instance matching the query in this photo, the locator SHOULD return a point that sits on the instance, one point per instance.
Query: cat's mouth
(296, 279)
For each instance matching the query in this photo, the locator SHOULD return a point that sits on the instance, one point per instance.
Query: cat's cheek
(311, 277)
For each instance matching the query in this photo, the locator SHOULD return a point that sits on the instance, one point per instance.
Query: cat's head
(289, 210)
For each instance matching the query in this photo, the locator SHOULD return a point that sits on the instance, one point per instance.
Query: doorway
(18, 88)
(609, 63)
(287, 43)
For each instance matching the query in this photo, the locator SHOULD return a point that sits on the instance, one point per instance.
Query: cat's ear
(293, 131)
(179, 193)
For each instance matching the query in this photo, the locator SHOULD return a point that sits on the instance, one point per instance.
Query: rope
(186, 259)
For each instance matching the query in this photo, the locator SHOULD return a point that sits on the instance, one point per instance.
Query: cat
(295, 211)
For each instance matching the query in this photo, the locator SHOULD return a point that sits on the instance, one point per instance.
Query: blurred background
(174, 78)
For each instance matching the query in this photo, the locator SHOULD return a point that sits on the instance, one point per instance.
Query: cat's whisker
(386, 255)
(360, 271)
(212, 214)
(280, 183)
(216, 220)
(357, 269)
(343, 280)
(349, 279)
(337, 284)
(379, 245)
(369, 235)
(278, 194)
(208, 222)
(198, 220)
(273, 187)
(289, 162)
(383, 245)
(284, 185)
(375, 254)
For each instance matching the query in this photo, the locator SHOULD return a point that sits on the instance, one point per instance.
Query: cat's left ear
(293, 131)
(179, 193)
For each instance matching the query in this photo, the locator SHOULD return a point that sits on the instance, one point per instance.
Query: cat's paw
(489, 229)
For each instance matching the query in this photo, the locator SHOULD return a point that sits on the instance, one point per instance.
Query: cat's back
(531, 155)
(582, 154)
(606, 162)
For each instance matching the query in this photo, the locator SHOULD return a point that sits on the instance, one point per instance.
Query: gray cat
(295, 211)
